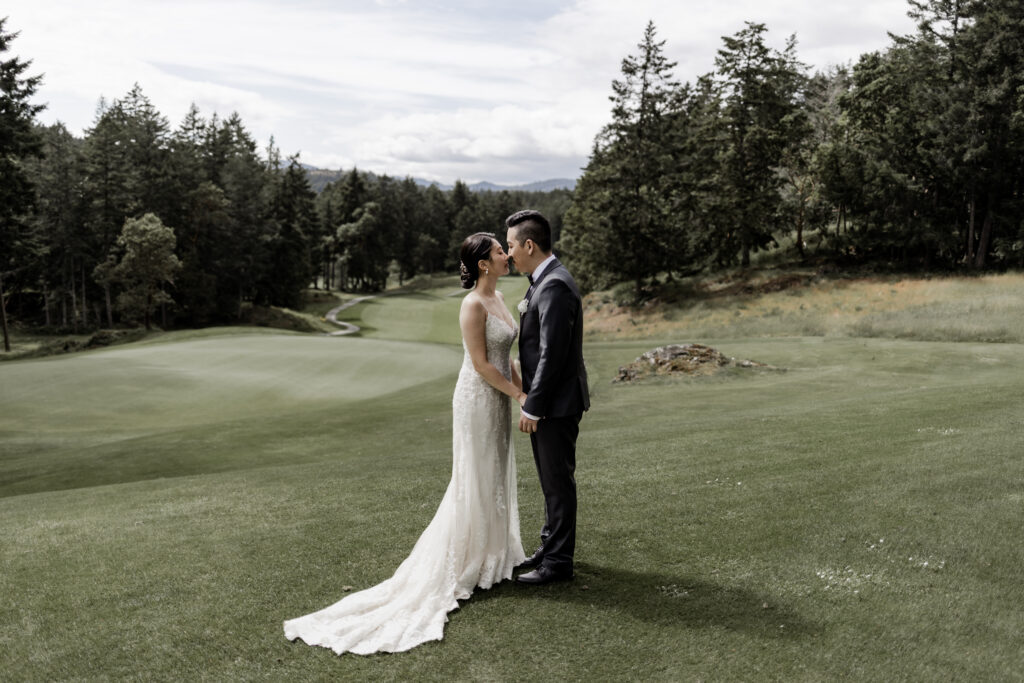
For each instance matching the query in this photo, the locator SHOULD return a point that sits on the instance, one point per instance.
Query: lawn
(167, 504)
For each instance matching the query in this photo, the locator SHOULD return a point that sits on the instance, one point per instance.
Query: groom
(555, 382)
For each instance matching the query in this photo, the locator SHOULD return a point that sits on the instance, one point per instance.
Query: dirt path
(346, 328)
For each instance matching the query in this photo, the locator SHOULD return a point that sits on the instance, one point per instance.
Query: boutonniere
(522, 306)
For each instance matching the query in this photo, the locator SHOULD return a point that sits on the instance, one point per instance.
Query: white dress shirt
(542, 267)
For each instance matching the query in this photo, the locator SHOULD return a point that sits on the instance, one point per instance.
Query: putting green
(210, 380)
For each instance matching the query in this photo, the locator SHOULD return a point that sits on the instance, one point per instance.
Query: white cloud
(508, 92)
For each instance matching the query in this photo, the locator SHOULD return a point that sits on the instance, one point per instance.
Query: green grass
(763, 304)
(167, 504)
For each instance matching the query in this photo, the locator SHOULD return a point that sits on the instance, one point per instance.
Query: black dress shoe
(542, 575)
(532, 561)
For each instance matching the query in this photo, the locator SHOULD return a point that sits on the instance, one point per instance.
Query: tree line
(136, 221)
(910, 158)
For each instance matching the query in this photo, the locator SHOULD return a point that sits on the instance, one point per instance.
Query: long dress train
(472, 541)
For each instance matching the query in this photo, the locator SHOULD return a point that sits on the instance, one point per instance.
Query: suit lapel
(547, 271)
(532, 289)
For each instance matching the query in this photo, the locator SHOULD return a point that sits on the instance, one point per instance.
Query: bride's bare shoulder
(472, 306)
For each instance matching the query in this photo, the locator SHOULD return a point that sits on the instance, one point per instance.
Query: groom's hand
(527, 425)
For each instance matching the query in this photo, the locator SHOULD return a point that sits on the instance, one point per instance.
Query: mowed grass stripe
(201, 405)
(850, 517)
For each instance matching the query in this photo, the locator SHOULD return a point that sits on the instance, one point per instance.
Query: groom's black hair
(531, 225)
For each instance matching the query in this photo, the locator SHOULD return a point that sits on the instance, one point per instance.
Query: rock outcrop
(682, 359)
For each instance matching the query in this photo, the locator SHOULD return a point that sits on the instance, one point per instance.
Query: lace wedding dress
(472, 541)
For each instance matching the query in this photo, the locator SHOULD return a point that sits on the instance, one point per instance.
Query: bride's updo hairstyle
(475, 248)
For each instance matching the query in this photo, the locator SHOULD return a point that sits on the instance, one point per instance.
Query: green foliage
(18, 141)
(912, 158)
(685, 176)
(250, 229)
(146, 263)
(760, 91)
(288, 271)
(928, 160)
(622, 224)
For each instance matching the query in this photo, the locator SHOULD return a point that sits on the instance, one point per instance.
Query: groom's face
(517, 253)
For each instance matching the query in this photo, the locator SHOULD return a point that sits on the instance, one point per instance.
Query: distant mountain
(548, 185)
(319, 178)
(538, 186)
(427, 183)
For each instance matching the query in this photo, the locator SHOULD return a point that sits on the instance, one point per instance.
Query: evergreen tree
(364, 260)
(762, 114)
(286, 272)
(108, 187)
(990, 52)
(59, 215)
(432, 241)
(621, 220)
(248, 185)
(18, 140)
(204, 247)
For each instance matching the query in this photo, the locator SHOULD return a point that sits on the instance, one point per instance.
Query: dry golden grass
(988, 308)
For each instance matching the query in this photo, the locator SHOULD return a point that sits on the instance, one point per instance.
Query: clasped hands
(526, 425)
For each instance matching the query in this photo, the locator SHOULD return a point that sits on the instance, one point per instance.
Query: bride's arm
(516, 379)
(472, 321)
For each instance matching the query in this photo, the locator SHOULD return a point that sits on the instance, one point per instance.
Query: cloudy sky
(509, 92)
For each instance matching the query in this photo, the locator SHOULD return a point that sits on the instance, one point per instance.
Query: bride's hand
(522, 399)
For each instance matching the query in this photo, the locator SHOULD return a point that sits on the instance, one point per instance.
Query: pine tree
(621, 221)
(761, 87)
(58, 180)
(18, 140)
(286, 272)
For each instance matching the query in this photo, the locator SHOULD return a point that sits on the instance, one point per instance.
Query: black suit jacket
(551, 346)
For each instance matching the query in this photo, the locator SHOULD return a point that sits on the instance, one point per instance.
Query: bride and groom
(473, 539)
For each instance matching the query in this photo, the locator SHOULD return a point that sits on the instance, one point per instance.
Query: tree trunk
(110, 313)
(149, 305)
(3, 316)
(85, 304)
(74, 300)
(63, 298)
(46, 304)
(970, 231)
(986, 235)
(800, 231)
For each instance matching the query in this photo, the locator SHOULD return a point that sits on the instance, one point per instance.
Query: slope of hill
(319, 178)
(167, 505)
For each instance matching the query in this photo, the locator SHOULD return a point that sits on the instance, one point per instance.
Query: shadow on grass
(663, 599)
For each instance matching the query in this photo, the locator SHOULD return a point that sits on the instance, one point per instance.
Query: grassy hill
(167, 504)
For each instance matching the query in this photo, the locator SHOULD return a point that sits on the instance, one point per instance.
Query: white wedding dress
(472, 541)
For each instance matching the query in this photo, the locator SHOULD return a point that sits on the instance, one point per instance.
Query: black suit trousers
(554, 452)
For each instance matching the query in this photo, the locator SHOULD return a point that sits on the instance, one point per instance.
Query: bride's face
(498, 259)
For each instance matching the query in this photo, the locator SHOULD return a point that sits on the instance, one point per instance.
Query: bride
(473, 539)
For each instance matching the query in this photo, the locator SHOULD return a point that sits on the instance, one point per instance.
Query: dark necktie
(529, 290)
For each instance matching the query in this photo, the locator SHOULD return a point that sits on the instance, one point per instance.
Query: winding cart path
(346, 328)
